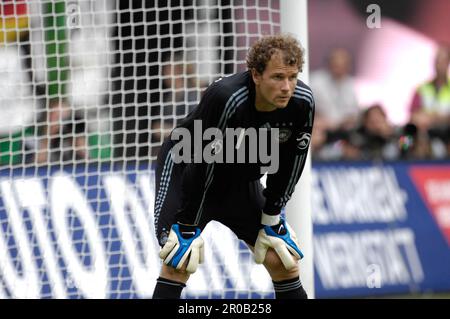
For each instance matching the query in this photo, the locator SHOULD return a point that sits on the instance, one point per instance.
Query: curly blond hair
(262, 51)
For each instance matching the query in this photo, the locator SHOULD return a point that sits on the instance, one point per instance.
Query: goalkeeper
(190, 194)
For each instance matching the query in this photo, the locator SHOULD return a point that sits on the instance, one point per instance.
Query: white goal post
(294, 19)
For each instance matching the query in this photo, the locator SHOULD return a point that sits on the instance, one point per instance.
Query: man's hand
(184, 243)
(282, 239)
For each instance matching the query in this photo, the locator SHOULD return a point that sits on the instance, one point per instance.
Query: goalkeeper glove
(282, 239)
(184, 242)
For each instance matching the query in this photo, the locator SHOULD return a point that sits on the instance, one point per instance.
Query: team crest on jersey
(303, 141)
(284, 134)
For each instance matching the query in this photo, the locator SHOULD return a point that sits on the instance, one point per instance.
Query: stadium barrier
(87, 232)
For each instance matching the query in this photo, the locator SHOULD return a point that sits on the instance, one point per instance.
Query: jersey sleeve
(293, 153)
(197, 174)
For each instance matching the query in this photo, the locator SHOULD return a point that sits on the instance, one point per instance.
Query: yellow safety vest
(434, 101)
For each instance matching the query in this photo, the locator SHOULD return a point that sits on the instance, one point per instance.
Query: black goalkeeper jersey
(230, 103)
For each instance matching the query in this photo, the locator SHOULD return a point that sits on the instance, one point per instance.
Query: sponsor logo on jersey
(303, 141)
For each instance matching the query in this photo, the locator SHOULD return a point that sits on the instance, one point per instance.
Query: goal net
(88, 91)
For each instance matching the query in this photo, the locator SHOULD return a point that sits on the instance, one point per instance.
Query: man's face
(276, 85)
(339, 63)
(442, 62)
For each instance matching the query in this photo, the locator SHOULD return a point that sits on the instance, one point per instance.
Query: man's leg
(170, 283)
(286, 283)
(168, 200)
(244, 220)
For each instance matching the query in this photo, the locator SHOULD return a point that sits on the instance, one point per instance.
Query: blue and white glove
(281, 238)
(184, 243)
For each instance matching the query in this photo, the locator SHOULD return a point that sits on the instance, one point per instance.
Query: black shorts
(234, 202)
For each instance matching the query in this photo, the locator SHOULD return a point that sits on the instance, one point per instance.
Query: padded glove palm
(184, 243)
(282, 239)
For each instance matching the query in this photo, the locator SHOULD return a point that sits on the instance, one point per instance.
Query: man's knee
(276, 269)
(174, 274)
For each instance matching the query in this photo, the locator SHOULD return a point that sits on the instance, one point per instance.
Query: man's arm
(184, 245)
(281, 185)
(276, 233)
(198, 176)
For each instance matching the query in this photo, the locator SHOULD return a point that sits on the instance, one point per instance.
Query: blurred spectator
(181, 93)
(63, 136)
(413, 145)
(430, 107)
(91, 59)
(88, 87)
(87, 54)
(323, 146)
(334, 91)
(431, 102)
(376, 137)
(17, 106)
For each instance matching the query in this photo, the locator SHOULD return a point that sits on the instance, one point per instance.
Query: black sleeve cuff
(271, 209)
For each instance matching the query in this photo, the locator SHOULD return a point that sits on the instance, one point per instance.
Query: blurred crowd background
(90, 81)
(381, 93)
